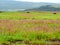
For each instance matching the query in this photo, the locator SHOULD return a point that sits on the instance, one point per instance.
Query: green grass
(23, 31)
(23, 15)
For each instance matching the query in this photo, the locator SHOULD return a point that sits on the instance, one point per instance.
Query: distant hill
(45, 8)
(6, 5)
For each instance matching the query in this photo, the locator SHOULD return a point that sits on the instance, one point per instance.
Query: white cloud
(54, 1)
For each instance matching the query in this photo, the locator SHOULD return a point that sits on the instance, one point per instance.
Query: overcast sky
(53, 1)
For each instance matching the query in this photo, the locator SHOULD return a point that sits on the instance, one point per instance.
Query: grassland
(30, 16)
(32, 28)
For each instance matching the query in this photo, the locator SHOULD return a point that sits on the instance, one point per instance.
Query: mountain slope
(45, 8)
(17, 5)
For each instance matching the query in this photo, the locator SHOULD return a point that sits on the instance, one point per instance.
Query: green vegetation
(31, 15)
(33, 27)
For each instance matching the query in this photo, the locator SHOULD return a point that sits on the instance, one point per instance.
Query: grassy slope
(29, 26)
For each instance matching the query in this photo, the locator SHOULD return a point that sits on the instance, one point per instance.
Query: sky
(52, 1)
